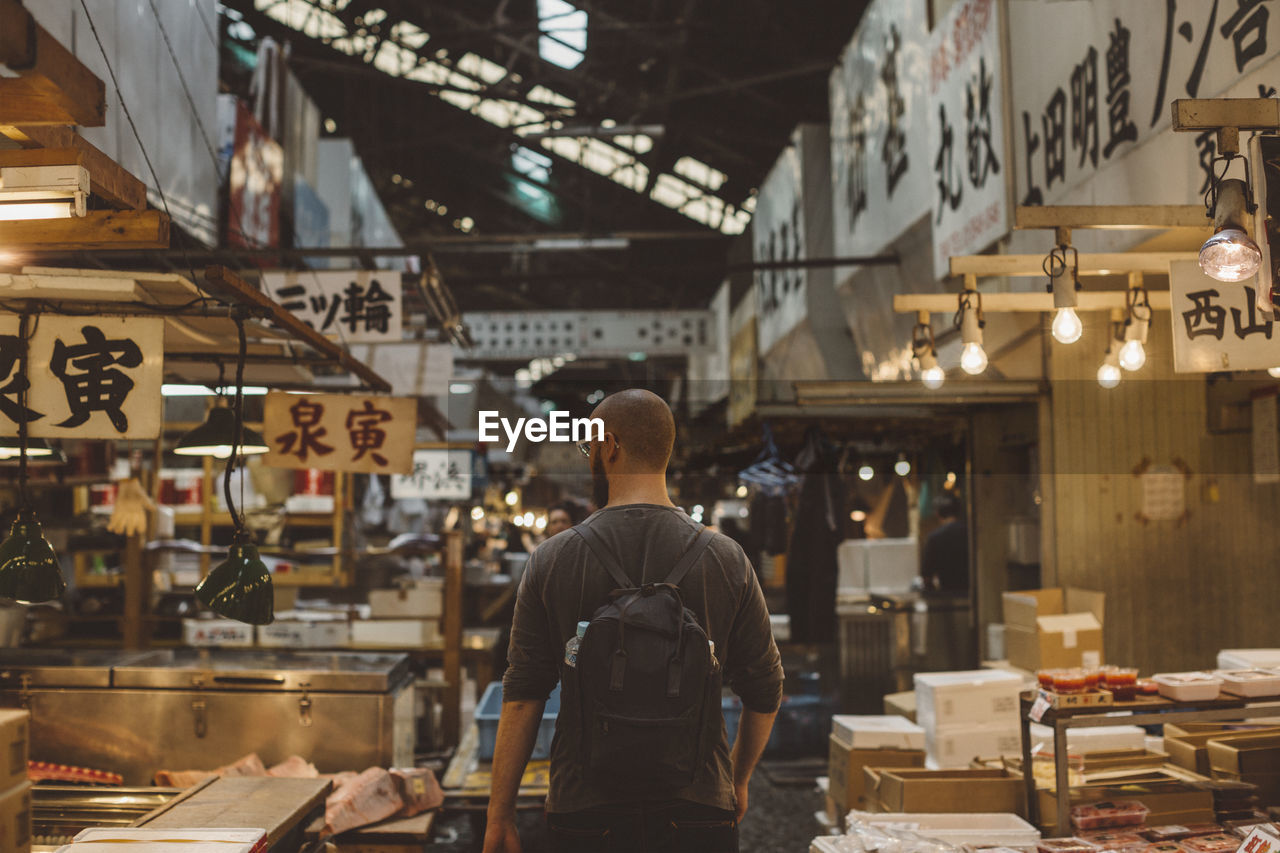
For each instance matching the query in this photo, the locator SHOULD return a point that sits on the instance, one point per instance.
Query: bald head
(643, 424)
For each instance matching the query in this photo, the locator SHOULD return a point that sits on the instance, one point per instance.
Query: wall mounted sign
(354, 306)
(441, 474)
(1217, 325)
(362, 433)
(87, 377)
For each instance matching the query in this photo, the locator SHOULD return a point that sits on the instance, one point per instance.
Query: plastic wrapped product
(1066, 845)
(1109, 814)
(1188, 686)
(1217, 843)
(1163, 847)
(1110, 839)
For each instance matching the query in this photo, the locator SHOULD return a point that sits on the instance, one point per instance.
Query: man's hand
(740, 793)
(500, 836)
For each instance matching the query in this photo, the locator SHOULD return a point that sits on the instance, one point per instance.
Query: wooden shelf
(191, 518)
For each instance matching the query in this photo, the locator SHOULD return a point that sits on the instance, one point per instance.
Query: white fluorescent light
(178, 390)
(461, 388)
(35, 210)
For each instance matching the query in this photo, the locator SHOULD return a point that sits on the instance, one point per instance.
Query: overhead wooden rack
(1111, 263)
(1116, 217)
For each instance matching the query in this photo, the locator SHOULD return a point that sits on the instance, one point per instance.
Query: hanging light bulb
(922, 346)
(1230, 254)
(1273, 372)
(973, 358)
(902, 467)
(1133, 355)
(1067, 327)
(865, 473)
(1109, 371)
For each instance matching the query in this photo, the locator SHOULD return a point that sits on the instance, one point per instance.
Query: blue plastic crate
(800, 728)
(490, 708)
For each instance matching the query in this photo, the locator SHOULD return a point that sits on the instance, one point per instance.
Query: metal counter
(136, 713)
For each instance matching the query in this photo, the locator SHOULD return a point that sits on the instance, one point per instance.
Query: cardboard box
(1101, 739)
(423, 600)
(967, 698)
(219, 633)
(14, 738)
(883, 732)
(949, 791)
(1245, 755)
(1188, 744)
(395, 633)
(289, 633)
(846, 781)
(1056, 627)
(835, 814)
(1169, 800)
(901, 704)
(15, 819)
(956, 746)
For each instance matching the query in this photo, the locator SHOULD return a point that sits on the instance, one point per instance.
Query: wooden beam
(1199, 114)
(99, 230)
(947, 303)
(1117, 216)
(226, 283)
(107, 179)
(23, 157)
(53, 87)
(1099, 264)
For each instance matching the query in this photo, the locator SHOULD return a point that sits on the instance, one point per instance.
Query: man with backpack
(642, 613)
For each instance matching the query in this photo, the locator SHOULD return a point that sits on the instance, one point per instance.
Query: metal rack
(1145, 711)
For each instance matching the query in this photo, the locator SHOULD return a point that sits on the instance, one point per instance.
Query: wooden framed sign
(361, 433)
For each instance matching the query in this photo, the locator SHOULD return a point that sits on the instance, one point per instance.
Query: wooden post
(137, 591)
(453, 637)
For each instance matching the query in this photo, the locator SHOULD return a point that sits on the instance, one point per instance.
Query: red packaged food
(1066, 845)
(1205, 829)
(1070, 681)
(1172, 832)
(1115, 840)
(1217, 843)
(1109, 814)
(1163, 847)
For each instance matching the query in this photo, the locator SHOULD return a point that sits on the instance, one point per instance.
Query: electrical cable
(237, 520)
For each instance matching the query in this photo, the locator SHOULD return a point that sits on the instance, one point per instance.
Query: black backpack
(646, 688)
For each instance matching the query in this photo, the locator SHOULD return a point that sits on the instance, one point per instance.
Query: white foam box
(395, 633)
(967, 698)
(291, 631)
(979, 829)
(423, 600)
(1101, 739)
(14, 737)
(883, 566)
(15, 819)
(877, 732)
(222, 633)
(138, 840)
(1249, 659)
(953, 747)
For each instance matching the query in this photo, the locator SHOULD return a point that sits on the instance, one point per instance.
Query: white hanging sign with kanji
(440, 474)
(354, 306)
(362, 433)
(1217, 325)
(86, 377)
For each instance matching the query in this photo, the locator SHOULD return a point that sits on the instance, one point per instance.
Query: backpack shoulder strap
(598, 547)
(691, 556)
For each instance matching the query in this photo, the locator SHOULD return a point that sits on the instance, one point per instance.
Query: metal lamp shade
(240, 587)
(29, 569)
(216, 436)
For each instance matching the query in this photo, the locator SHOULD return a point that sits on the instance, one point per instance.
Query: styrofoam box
(1188, 686)
(1101, 739)
(223, 633)
(409, 633)
(423, 600)
(987, 829)
(880, 732)
(883, 566)
(956, 746)
(1250, 682)
(972, 697)
(290, 632)
(97, 839)
(781, 625)
(1249, 659)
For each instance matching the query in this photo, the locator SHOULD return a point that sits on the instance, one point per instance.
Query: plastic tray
(1066, 845)
(986, 830)
(1109, 814)
(1220, 843)
(1249, 682)
(1116, 839)
(490, 707)
(1188, 686)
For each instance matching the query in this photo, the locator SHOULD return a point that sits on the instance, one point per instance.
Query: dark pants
(673, 826)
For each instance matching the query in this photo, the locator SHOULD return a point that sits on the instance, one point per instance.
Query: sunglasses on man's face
(584, 447)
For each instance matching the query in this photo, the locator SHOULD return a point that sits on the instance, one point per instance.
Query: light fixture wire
(237, 521)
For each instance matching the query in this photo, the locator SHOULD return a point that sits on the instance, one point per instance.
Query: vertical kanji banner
(367, 434)
(87, 377)
(966, 132)
(354, 306)
(1217, 325)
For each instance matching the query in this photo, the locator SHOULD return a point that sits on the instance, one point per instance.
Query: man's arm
(753, 735)
(517, 732)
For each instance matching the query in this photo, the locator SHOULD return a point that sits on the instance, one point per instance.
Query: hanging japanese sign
(357, 306)
(1100, 87)
(254, 182)
(879, 111)
(1217, 325)
(87, 377)
(366, 434)
(440, 474)
(966, 132)
(777, 228)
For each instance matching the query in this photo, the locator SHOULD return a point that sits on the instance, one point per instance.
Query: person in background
(944, 566)
(563, 584)
(564, 515)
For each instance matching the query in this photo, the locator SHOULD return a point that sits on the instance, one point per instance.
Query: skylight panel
(564, 28)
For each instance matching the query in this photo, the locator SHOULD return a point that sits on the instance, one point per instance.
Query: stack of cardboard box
(967, 715)
(15, 789)
(1053, 628)
(859, 742)
(1254, 759)
(409, 616)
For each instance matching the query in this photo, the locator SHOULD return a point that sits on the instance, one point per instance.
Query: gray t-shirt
(564, 584)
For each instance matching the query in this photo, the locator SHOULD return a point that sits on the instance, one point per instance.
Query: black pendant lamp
(216, 436)
(29, 571)
(240, 587)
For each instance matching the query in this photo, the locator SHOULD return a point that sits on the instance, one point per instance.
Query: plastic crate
(490, 707)
(800, 729)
